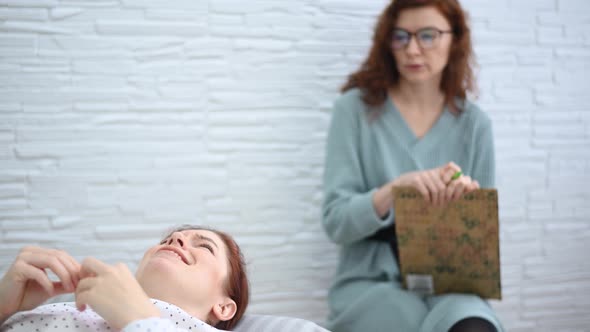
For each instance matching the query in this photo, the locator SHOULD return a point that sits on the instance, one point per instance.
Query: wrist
(5, 313)
(4, 316)
(382, 200)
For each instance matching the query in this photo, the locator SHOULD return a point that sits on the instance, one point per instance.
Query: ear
(225, 309)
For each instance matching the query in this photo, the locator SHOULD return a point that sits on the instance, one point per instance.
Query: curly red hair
(379, 72)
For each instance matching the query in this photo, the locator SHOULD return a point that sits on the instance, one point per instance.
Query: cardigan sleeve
(348, 212)
(484, 165)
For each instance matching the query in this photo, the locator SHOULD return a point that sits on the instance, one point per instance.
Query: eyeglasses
(426, 37)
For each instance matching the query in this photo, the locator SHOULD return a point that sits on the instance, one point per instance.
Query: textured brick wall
(121, 118)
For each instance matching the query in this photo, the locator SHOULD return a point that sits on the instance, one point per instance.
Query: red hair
(236, 284)
(379, 72)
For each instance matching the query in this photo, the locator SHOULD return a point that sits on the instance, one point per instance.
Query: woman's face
(188, 269)
(416, 63)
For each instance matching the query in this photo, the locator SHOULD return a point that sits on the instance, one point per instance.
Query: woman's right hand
(26, 284)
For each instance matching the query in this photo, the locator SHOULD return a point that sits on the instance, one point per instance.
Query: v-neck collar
(407, 136)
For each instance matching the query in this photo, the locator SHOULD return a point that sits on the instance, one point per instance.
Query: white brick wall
(121, 118)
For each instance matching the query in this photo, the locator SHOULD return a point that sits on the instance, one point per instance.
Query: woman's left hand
(113, 292)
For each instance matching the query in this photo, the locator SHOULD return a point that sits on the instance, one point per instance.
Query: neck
(423, 97)
(155, 289)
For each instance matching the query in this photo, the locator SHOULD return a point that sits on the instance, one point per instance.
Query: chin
(161, 265)
(155, 274)
(420, 78)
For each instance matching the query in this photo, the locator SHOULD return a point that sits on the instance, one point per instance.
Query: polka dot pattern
(65, 317)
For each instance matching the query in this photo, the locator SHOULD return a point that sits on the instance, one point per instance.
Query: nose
(413, 47)
(177, 238)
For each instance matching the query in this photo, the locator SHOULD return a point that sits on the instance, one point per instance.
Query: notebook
(449, 249)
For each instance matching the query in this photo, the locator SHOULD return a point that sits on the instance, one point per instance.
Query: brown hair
(236, 285)
(379, 71)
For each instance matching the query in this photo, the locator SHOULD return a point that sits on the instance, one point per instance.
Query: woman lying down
(194, 280)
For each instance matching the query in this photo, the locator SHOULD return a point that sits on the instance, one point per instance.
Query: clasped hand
(437, 185)
(111, 291)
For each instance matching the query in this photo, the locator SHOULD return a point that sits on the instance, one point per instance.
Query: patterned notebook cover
(450, 249)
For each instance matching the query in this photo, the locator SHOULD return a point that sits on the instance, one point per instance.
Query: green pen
(456, 175)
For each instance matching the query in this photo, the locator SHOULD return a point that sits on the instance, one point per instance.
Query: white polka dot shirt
(65, 317)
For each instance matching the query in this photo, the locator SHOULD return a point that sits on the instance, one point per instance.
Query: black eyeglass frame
(415, 34)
